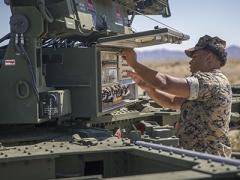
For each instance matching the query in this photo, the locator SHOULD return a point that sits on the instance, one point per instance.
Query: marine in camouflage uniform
(205, 116)
(203, 98)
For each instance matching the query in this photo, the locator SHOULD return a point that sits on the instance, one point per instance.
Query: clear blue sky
(193, 17)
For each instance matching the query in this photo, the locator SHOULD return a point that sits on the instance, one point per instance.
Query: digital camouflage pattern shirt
(205, 116)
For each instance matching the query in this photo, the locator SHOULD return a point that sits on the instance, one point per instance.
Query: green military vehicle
(69, 111)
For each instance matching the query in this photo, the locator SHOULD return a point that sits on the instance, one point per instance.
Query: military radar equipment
(63, 57)
(62, 66)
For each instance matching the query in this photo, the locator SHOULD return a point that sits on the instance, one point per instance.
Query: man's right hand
(130, 56)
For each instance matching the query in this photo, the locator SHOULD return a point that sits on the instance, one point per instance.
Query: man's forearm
(147, 75)
(166, 100)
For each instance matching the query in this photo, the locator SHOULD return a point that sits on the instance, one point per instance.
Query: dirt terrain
(181, 68)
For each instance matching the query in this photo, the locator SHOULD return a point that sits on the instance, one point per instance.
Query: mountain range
(164, 54)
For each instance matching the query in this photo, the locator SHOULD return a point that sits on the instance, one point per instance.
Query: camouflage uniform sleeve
(194, 87)
(206, 84)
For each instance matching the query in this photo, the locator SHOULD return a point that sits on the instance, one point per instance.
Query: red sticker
(10, 62)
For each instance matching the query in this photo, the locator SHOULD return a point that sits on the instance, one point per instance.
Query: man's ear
(209, 58)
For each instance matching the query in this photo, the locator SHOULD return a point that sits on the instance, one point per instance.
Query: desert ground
(180, 68)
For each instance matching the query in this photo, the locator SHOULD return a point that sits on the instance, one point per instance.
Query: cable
(22, 51)
(45, 12)
(149, 17)
(7, 36)
(30, 67)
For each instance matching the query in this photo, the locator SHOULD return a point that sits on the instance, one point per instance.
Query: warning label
(10, 62)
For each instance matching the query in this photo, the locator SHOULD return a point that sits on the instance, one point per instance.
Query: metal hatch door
(143, 39)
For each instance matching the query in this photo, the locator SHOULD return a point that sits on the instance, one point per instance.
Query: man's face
(198, 62)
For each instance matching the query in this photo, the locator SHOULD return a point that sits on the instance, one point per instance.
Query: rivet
(150, 149)
(170, 153)
(222, 164)
(195, 158)
(61, 146)
(212, 165)
(159, 150)
(228, 169)
(29, 153)
(199, 166)
(139, 147)
(19, 149)
(1, 153)
(24, 151)
(51, 151)
(214, 170)
(53, 146)
(68, 147)
(183, 155)
(209, 161)
(101, 142)
(108, 144)
(40, 147)
(46, 149)
(5, 155)
(26, 148)
(115, 142)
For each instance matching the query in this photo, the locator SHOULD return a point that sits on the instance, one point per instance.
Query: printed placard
(10, 62)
